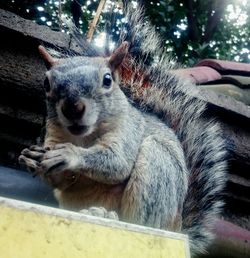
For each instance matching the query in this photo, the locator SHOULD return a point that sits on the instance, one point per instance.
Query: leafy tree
(191, 29)
(196, 29)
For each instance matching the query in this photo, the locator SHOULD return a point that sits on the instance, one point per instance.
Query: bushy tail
(154, 87)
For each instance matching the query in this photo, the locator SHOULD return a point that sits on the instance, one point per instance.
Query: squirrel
(125, 133)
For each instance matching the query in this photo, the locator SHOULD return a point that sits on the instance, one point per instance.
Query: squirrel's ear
(48, 59)
(118, 55)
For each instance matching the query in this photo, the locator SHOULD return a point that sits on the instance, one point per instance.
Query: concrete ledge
(30, 230)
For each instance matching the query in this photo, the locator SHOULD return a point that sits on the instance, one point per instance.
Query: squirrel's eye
(46, 85)
(107, 80)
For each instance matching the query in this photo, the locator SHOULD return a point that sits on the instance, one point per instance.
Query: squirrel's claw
(31, 164)
(34, 155)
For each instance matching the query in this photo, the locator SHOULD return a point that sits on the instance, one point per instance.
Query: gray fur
(168, 165)
(202, 142)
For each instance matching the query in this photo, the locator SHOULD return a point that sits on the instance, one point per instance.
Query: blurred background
(191, 29)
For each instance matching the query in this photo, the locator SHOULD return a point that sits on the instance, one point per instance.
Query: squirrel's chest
(86, 193)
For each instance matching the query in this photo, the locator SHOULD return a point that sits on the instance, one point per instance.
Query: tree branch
(95, 20)
(215, 15)
(75, 8)
(192, 21)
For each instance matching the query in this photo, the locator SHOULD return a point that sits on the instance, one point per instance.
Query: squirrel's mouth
(78, 129)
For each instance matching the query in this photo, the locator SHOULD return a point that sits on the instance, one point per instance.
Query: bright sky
(237, 14)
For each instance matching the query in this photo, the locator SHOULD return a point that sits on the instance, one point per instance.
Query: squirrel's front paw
(57, 166)
(31, 157)
(100, 212)
(62, 157)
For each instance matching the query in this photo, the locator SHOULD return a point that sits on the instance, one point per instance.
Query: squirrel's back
(155, 89)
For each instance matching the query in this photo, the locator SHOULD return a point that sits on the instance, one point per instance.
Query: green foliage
(227, 40)
(191, 29)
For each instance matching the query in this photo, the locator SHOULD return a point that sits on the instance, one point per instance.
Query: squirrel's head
(83, 91)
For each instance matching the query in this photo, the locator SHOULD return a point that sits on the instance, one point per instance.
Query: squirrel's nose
(73, 111)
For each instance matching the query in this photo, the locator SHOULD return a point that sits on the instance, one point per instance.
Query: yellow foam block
(33, 231)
